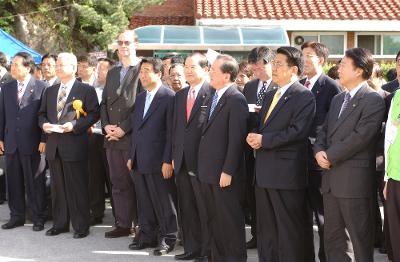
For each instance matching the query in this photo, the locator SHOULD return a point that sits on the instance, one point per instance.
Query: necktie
(261, 94)
(20, 91)
(275, 100)
(190, 103)
(213, 104)
(345, 104)
(307, 84)
(146, 104)
(62, 98)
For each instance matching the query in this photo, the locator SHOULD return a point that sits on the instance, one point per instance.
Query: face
(311, 62)
(242, 79)
(49, 68)
(262, 71)
(177, 78)
(218, 79)
(85, 71)
(398, 67)
(102, 70)
(282, 73)
(38, 74)
(148, 78)
(166, 66)
(64, 69)
(18, 70)
(126, 45)
(194, 73)
(348, 73)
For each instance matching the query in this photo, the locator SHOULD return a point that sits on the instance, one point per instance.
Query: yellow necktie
(273, 104)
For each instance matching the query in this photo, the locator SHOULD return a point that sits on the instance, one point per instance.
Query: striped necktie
(213, 104)
(62, 98)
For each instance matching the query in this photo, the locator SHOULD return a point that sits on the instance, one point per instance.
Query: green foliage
(6, 12)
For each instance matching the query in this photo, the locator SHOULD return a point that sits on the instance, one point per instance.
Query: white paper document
(56, 129)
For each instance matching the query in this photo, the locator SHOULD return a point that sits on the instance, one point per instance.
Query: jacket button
(110, 108)
(119, 110)
(17, 129)
(17, 117)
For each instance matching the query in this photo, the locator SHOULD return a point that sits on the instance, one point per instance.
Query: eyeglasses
(120, 43)
(277, 64)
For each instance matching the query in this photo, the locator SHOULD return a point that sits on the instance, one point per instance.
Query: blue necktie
(147, 104)
(213, 104)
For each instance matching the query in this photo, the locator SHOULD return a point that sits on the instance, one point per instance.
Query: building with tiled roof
(340, 24)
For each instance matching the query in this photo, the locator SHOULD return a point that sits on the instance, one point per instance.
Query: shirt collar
(69, 84)
(52, 80)
(221, 92)
(26, 81)
(314, 79)
(154, 91)
(197, 88)
(354, 91)
(3, 71)
(284, 88)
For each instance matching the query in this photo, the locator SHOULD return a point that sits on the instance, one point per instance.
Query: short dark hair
(91, 60)
(175, 58)
(106, 59)
(391, 74)
(333, 72)
(27, 60)
(3, 60)
(377, 70)
(245, 67)
(229, 66)
(202, 59)
(362, 58)
(49, 56)
(320, 49)
(398, 55)
(174, 66)
(294, 57)
(155, 62)
(261, 53)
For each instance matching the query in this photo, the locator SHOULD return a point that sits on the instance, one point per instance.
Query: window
(334, 41)
(379, 44)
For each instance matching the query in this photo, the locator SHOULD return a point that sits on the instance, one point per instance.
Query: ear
(321, 60)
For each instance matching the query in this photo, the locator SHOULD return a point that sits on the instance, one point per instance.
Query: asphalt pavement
(23, 244)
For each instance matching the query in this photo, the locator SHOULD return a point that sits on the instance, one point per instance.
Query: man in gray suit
(119, 95)
(345, 149)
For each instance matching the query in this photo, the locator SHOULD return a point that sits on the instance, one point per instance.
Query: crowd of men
(194, 150)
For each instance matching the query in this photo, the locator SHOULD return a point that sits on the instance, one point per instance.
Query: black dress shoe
(252, 243)
(1, 201)
(118, 232)
(139, 246)
(38, 227)
(187, 256)
(201, 259)
(81, 235)
(96, 221)
(54, 231)
(162, 250)
(12, 224)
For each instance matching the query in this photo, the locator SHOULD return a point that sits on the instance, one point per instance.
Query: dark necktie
(345, 104)
(307, 84)
(261, 94)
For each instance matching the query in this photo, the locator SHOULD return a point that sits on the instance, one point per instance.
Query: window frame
(381, 34)
(318, 34)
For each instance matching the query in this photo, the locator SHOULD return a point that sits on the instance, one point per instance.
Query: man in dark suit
(5, 77)
(324, 89)
(395, 84)
(255, 90)
(281, 161)
(151, 162)
(119, 95)
(345, 149)
(22, 141)
(186, 138)
(67, 111)
(220, 161)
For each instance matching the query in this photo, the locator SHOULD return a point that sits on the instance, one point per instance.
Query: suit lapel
(28, 93)
(115, 94)
(198, 102)
(154, 105)
(353, 103)
(218, 107)
(316, 89)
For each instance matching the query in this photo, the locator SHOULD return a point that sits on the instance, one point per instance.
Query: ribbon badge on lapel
(77, 105)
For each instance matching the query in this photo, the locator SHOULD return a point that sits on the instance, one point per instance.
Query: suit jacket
(71, 146)
(151, 135)
(187, 134)
(391, 86)
(281, 162)
(117, 103)
(350, 143)
(6, 78)
(223, 137)
(18, 121)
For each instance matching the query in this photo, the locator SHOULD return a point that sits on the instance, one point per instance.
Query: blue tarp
(10, 46)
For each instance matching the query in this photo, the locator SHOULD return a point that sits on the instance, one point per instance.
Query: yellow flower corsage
(77, 104)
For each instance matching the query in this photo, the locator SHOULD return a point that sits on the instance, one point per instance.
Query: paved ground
(22, 244)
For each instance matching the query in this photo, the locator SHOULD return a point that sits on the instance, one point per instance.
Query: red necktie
(190, 103)
(307, 84)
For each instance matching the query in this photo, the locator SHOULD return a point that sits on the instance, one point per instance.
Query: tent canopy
(10, 46)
